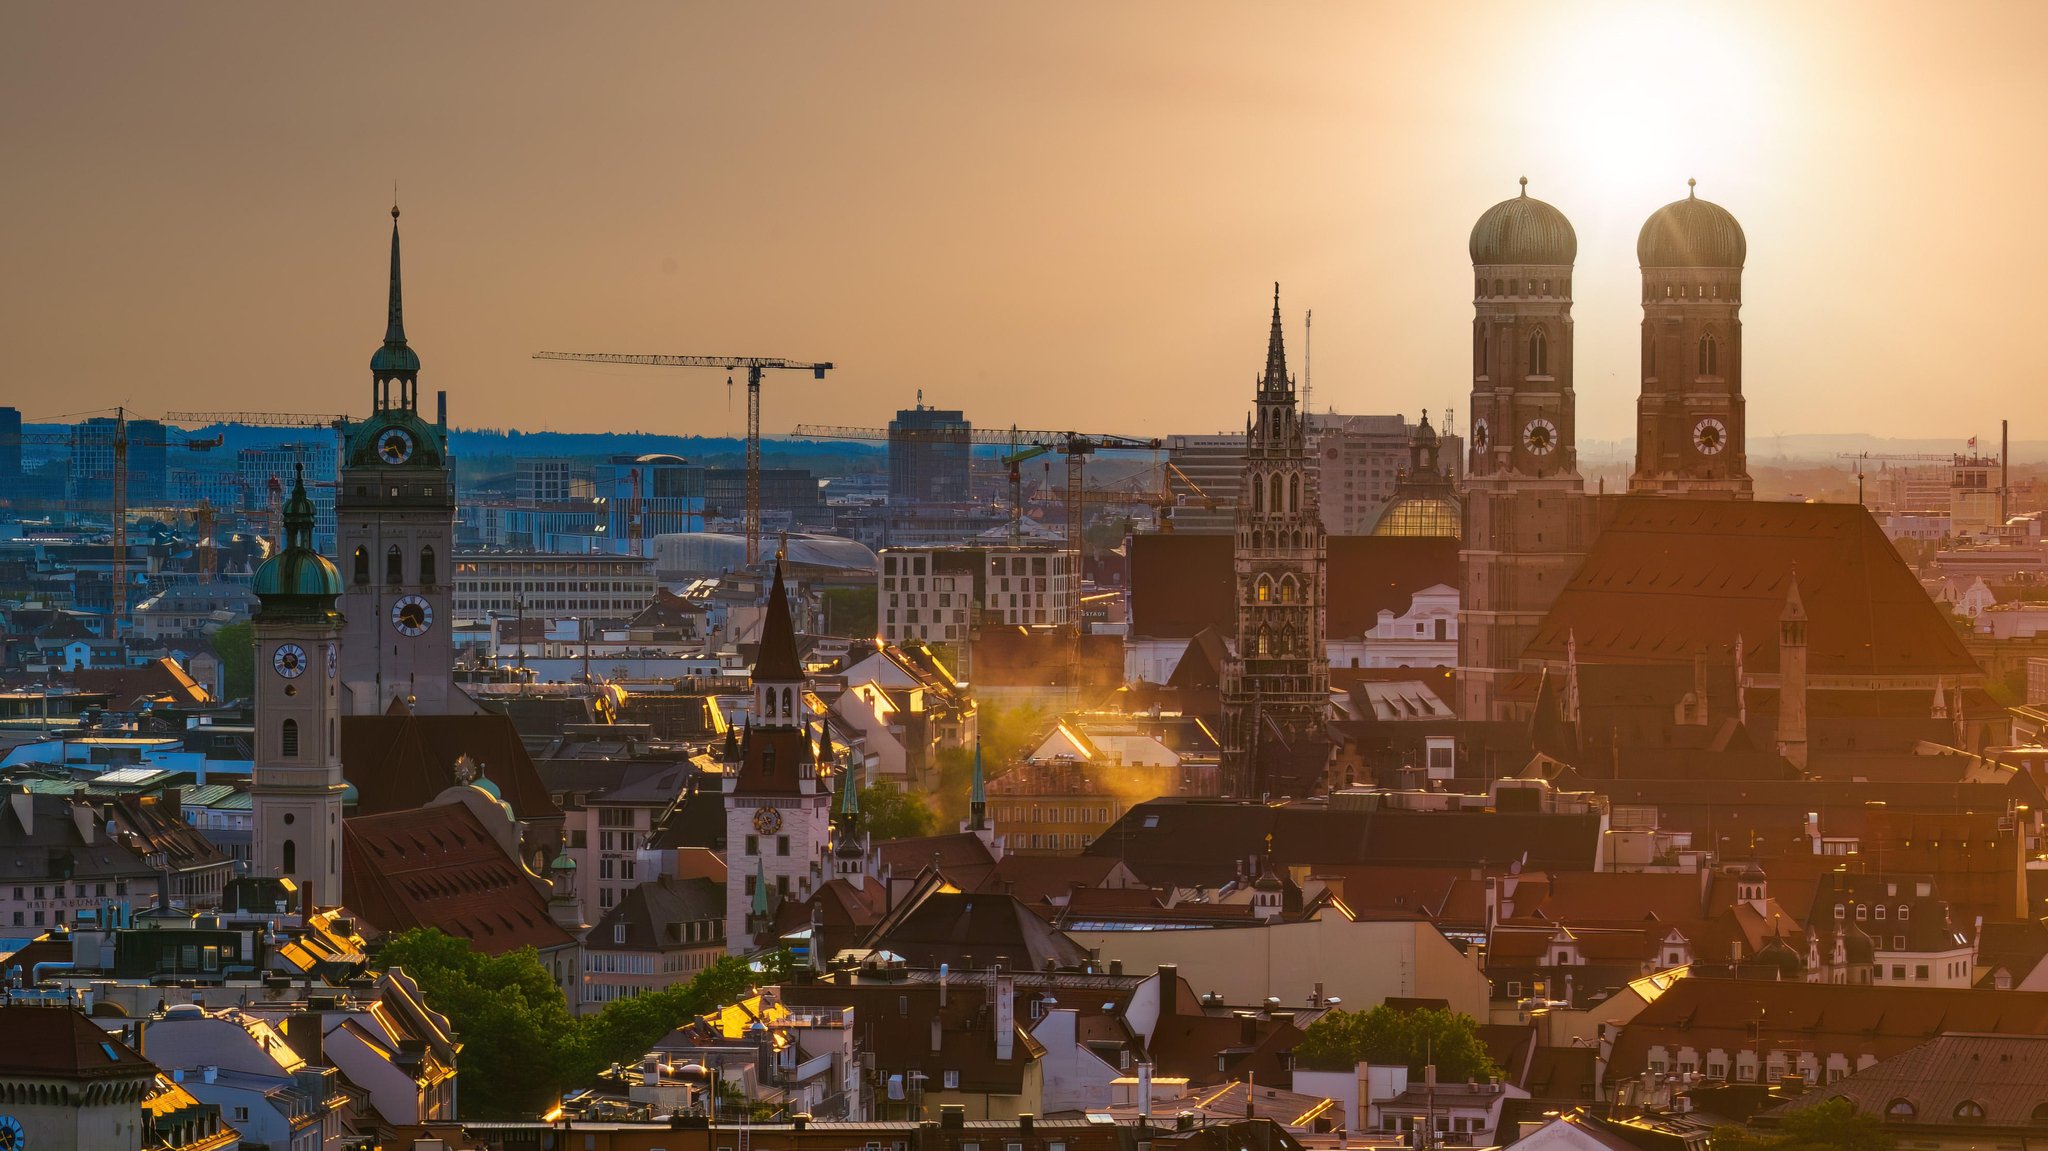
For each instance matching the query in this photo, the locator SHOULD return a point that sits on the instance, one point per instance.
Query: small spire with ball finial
(1690, 184)
(1525, 185)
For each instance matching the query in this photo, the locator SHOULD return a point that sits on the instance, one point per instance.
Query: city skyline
(1073, 213)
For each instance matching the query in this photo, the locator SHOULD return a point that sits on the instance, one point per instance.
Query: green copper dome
(297, 578)
(1524, 230)
(1691, 233)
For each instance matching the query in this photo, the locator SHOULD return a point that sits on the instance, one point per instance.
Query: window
(1539, 354)
(394, 566)
(289, 736)
(427, 565)
(291, 857)
(1970, 1111)
(952, 1080)
(1920, 971)
(362, 564)
(1710, 356)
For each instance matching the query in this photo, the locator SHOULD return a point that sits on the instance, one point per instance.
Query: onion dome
(1524, 230)
(1780, 955)
(1691, 233)
(1858, 945)
(297, 578)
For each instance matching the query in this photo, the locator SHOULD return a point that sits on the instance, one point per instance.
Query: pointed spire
(776, 662)
(1276, 352)
(849, 794)
(977, 795)
(298, 514)
(395, 358)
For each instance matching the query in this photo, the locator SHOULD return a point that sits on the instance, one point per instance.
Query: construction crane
(117, 599)
(1166, 497)
(1023, 445)
(754, 365)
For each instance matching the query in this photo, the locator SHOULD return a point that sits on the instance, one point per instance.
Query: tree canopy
(235, 644)
(1390, 1035)
(892, 814)
(1835, 1125)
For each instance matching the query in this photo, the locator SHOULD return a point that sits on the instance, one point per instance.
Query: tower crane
(754, 365)
(117, 600)
(1023, 445)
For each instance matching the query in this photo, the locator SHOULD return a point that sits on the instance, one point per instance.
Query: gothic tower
(1524, 504)
(296, 790)
(394, 513)
(1689, 420)
(778, 834)
(1278, 679)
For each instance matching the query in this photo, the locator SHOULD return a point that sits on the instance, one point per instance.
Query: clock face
(12, 1136)
(1540, 436)
(768, 820)
(412, 615)
(395, 446)
(289, 660)
(1479, 434)
(1710, 436)
(333, 660)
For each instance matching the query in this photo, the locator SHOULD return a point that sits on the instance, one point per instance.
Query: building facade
(928, 455)
(1690, 437)
(1524, 500)
(1278, 679)
(395, 516)
(597, 587)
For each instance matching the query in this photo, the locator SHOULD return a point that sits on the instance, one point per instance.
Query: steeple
(395, 359)
(778, 675)
(977, 795)
(1275, 381)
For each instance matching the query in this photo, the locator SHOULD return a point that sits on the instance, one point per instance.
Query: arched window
(1479, 352)
(288, 737)
(788, 710)
(1970, 1111)
(362, 564)
(1287, 589)
(1263, 592)
(291, 857)
(1293, 494)
(1273, 496)
(1539, 354)
(1497, 288)
(1902, 1108)
(427, 566)
(394, 566)
(1710, 355)
(1258, 496)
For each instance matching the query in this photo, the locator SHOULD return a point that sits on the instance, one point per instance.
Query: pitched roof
(402, 761)
(653, 912)
(440, 867)
(1669, 578)
(46, 1042)
(777, 659)
(2004, 1075)
(157, 679)
(966, 929)
(1181, 584)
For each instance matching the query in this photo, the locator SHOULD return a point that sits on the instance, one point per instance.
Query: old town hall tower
(1525, 503)
(1277, 683)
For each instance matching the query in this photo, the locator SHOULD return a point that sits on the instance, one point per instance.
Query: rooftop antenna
(1308, 407)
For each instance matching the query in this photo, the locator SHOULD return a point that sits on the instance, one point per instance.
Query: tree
(1835, 1125)
(508, 1012)
(892, 814)
(1389, 1035)
(235, 644)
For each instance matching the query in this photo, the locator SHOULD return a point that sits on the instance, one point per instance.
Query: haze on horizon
(1049, 215)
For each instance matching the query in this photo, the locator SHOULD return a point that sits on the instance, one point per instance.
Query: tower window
(1539, 354)
(362, 564)
(427, 566)
(1275, 495)
(1710, 356)
(291, 857)
(394, 566)
(1497, 289)
(289, 738)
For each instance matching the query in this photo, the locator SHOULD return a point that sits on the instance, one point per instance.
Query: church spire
(1275, 380)
(395, 359)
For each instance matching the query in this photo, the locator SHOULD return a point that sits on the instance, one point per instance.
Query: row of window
(1033, 813)
(394, 565)
(1505, 287)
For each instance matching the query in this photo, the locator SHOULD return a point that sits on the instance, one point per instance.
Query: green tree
(627, 1028)
(1835, 1125)
(508, 1012)
(892, 814)
(850, 612)
(1388, 1035)
(235, 644)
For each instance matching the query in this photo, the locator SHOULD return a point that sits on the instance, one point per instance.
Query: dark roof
(1523, 230)
(440, 867)
(1201, 665)
(971, 929)
(961, 858)
(1181, 584)
(402, 761)
(1671, 578)
(49, 1042)
(776, 659)
(654, 912)
(2004, 1075)
(1691, 233)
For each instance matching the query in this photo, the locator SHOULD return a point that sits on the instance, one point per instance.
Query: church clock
(412, 615)
(1710, 436)
(395, 446)
(289, 660)
(767, 820)
(13, 1137)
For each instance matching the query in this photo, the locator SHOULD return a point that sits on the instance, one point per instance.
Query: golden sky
(1058, 215)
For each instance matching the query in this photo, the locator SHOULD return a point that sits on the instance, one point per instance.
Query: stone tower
(1524, 503)
(296, 789)
(394, 515)
(1689, 422)
(778, 813)
(1278, 679)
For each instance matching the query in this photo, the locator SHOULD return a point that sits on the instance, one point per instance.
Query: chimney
(1169, 989)
(1144, 1092)
(1024, 1123)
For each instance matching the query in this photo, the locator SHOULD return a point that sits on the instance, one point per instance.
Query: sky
(1066, 216)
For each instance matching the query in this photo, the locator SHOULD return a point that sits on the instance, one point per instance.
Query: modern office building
(928, 455)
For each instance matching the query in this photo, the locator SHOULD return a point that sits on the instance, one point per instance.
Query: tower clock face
(333, 660)
(1540, 436)
(13, 1137)
(768, 820)
(289, 660)
(394, 446)
(1479, 434)
(1710, 436)
(412, 615)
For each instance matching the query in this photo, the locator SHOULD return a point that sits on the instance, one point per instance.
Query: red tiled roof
(61, 1043)
(1670, 578)
(439, 867)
